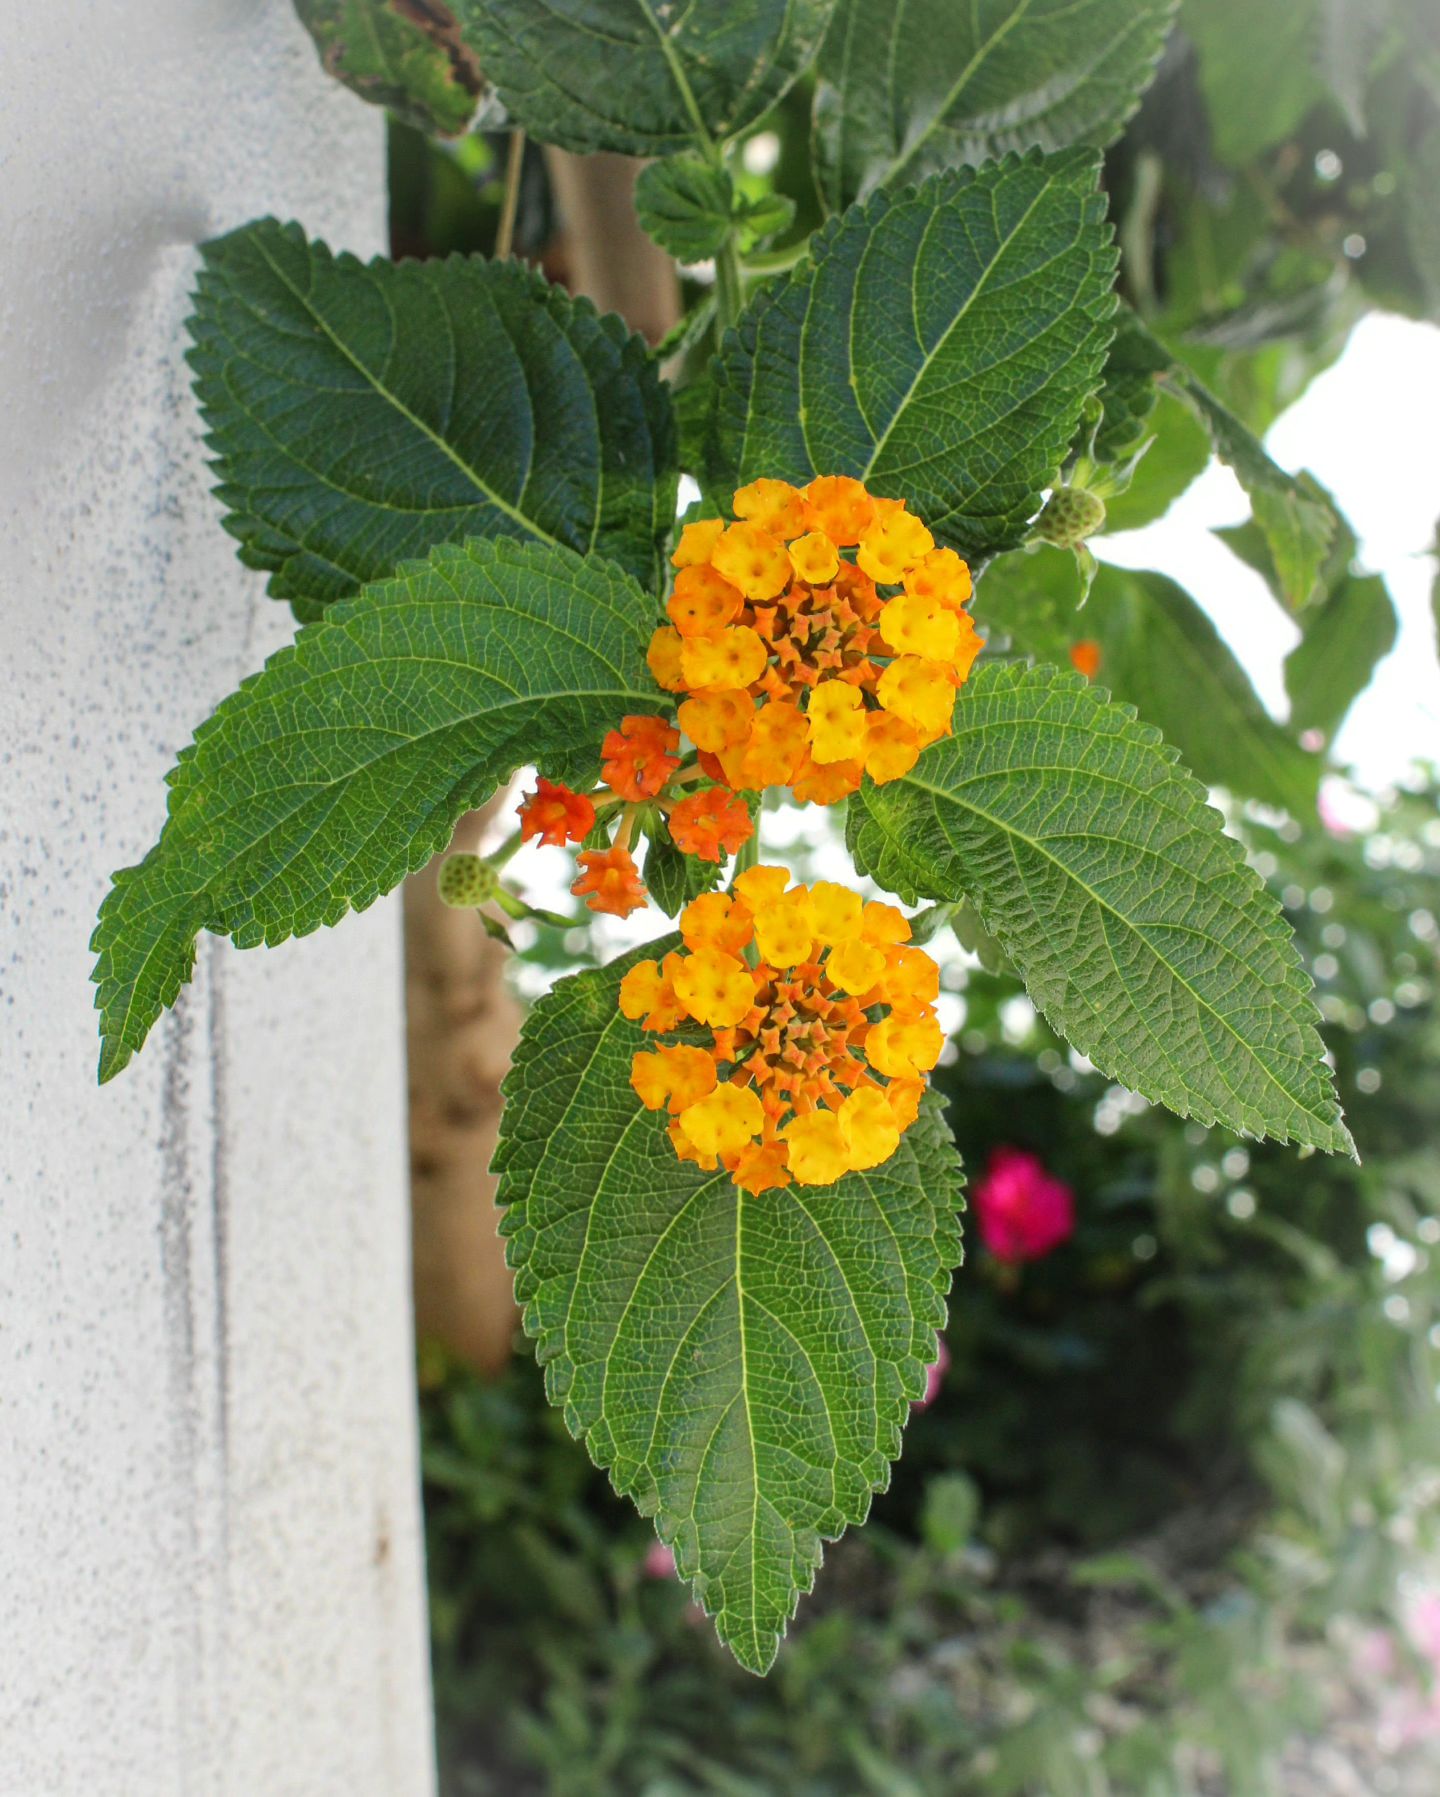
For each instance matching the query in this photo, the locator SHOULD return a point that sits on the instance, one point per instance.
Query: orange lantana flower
(555, 814)
(711, 824)
(819, 638)
(797, 1092)
(609, 881)
(639, 757)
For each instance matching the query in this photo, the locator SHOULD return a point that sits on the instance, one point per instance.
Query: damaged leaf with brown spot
(407, 55)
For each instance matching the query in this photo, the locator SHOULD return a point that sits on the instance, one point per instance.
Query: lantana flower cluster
(819, 637)
(819, 1023)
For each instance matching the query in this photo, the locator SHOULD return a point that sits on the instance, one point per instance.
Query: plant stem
(514, 164)
(505, 850)
(729, 288)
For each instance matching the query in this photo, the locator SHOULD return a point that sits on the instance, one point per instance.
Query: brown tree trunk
(462, 1022)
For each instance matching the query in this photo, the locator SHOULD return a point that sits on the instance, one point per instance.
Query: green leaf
(982, 300)
(1160, 653)
(907, 87)
(1137, 926)
(741, 1366)
(1346, 634)
(344, 765)
(360, 414)
(642, 76)
(684, 202)
(408, 57)
(1257, 70)
(673, 878)
(1293, 511)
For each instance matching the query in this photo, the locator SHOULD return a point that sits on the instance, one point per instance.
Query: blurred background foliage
(1167, 1526)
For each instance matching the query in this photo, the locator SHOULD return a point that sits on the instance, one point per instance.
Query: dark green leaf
(1346, 633)
(673, 878)
(684, 202)
(1257, 70)
(907, 87)
(983, 301)
(742, 1366)
(360, 414)
(408, 57)
(640, 75)
(1139, 929)
(345, 764)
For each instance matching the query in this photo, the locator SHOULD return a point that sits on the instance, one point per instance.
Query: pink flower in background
(1423, 1626)
(1023, 1211)
(659, 1561)
(934, 1377)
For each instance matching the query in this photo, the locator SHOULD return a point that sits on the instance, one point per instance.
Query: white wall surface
(210, 1571)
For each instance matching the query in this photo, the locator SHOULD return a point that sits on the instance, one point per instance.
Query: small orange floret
(716, 920)
(673, 1077)
(555, 814)
(753, 560)
(760, 1167)
(697, 542)
(640, 757)
(647, 995)
(711, 824)
(839, 506)
(718, 718)
(774, 505)
(703, 601)
(609, 881)
(1085, 657)
(663, 659)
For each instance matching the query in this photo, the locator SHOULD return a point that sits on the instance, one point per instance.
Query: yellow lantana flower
(801, 612)
(792, 1088)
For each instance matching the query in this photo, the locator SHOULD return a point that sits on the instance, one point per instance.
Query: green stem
(729, 288)
(506, 849)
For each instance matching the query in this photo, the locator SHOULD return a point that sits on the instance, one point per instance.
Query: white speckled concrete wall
(210, 1570)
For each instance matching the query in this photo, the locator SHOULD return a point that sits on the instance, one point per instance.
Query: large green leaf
(938, 343)
(345, 764)
(1160, 653)
(360, 414)
(1140, 932)
(1346, 633)
(407, 57)
(741, 1366)
(907, 87)
(642, 76)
